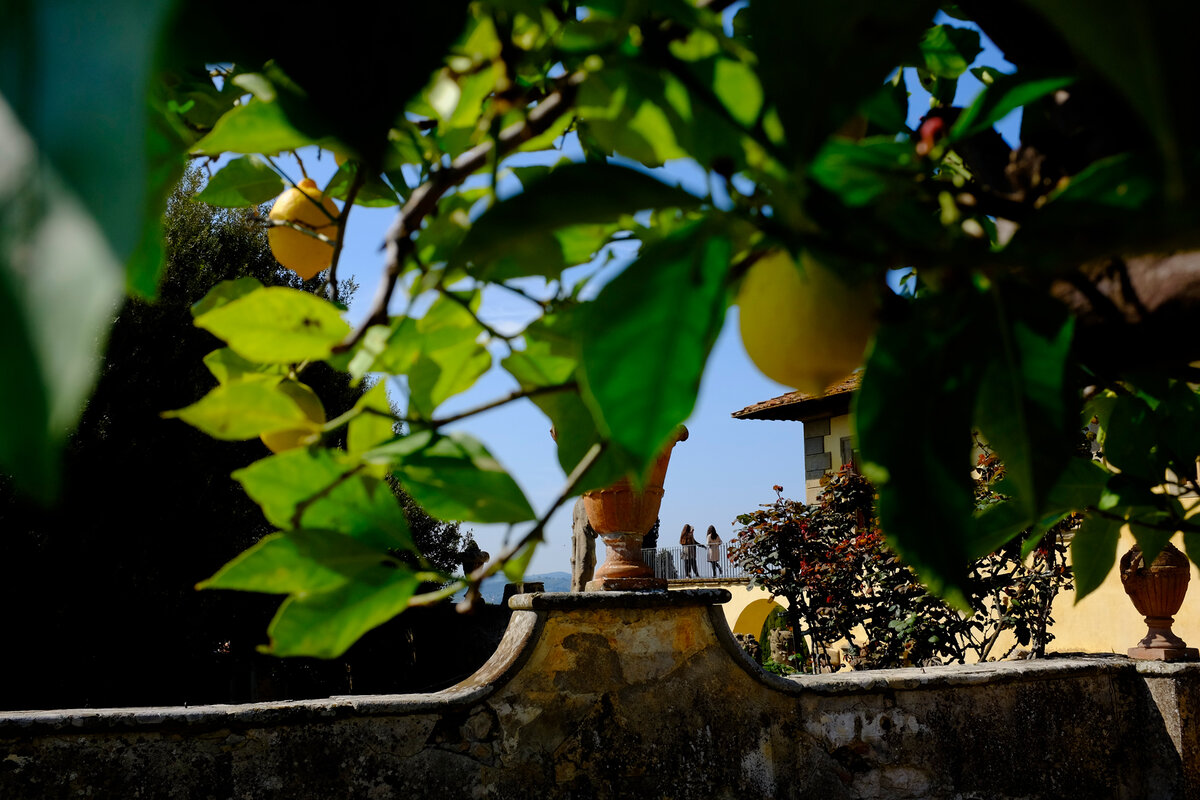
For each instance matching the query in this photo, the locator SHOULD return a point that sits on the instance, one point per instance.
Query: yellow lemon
(310, 404)
(803, 329)
(304, 205)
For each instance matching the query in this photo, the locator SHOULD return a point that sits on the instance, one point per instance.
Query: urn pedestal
(1157, 591)
(621, 516)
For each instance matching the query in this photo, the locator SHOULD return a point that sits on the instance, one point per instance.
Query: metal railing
(669, 563)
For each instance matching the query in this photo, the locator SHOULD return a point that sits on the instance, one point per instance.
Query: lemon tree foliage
(1050, 282)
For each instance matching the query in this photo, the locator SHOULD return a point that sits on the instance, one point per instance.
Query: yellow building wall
(1106, 622)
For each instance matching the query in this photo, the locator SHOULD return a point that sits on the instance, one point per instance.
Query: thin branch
(536, 534)
(424, 198)
(349, 416)
(519, 394)
(542, 304)
(477, 577)
(355, 185)
(467, 307)
(296, 226)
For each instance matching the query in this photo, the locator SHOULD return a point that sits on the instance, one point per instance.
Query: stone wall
(615, 695)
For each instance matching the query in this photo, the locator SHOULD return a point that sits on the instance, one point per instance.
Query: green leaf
(392, 349)
(277, 325)
(538, 365)
(1130, 441)
(227, 366)
(947, 51)
(573, 194)
(92, 125)
(374, 193)
(450, 359)
(334, 497)
(440, 374)
(60, 281)
(1151, 540)
(1023, 407)
(887, 108)
(245, 181)
(515, 567)
(243, 410)
(325, 624)
(454, 477)
(738, 89)
(1177, 429)
(1093, 553)
(1142, 49)
(1005, 94)
(846, 49)
(164, 165)
(374, 424)
(1191, 543)
(297, 561)
(225, 292)
(255, 127)
(355, 96)
(921, 468)
(645, 339)
(860, 172)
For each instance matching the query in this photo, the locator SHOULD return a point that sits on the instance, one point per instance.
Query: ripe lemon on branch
(310, 404)
(804, 328)
(304, 205)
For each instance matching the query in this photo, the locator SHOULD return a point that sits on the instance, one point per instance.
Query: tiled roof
(799, 407)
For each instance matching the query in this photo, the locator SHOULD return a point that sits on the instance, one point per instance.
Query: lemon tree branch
(424, 199)
(355, 185)
(535, 534)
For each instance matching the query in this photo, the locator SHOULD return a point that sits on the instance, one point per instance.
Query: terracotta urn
(621, 516)
(1157, 592)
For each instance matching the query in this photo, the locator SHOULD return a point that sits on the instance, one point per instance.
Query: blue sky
(727, 467)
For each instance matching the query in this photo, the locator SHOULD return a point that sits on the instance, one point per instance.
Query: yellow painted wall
(1106, 622)
(839, 428)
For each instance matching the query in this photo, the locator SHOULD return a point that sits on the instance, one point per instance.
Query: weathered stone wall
(613, 695)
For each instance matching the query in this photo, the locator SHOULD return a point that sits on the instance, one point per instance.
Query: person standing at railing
(714, 551)
(689, 545)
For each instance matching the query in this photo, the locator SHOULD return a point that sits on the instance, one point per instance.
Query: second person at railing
(714, 551)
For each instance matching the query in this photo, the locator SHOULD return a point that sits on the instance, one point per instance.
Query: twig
(542, 304)
(519, 394)
(467, 307)
(424, 198)
(534, 535)
(296, 226)
(355, 185)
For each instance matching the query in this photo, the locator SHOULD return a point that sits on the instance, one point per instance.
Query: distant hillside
(493, 588)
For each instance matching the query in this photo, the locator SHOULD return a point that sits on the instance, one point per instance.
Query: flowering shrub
(841, 580)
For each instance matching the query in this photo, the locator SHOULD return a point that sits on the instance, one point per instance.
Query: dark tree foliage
(100, 587)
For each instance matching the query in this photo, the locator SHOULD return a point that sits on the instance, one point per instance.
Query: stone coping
(1054, 666)
(578, 601)
(26, 723)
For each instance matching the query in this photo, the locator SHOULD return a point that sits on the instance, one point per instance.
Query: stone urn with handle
(621, 515)
(1157, 591)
